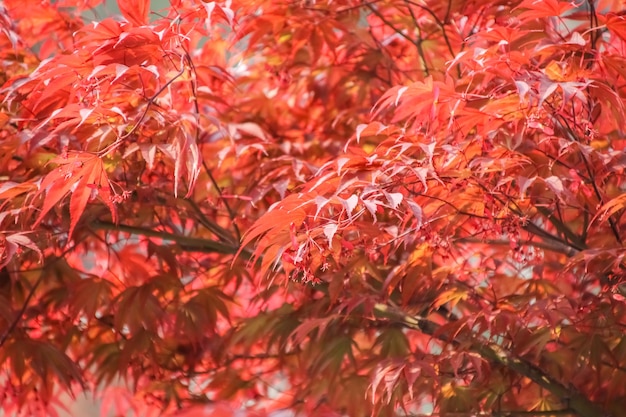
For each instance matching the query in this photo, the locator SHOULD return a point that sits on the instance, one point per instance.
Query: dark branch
(575, 400)
(20, 314)
(191, 244)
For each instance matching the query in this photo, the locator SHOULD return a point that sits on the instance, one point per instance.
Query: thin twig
(149, 103)
(548, 246)
(388, 23)
(442, 26)
(230, 211)
(420, 48)
(20, 313)
(30, 295)
(567, 129)
(210, 225)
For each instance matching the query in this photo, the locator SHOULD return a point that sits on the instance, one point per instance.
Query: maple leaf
(84, 176)
(10, 245)
(135, 11)
(544, 8)
(435, 191)
(616, 23)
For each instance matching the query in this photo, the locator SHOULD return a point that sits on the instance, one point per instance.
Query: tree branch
(194, 88)
(442, 26)
(31, 293)
(565, 127)
(575, 400)
(395, 29)
(575, 240)
(565, 412)
(420, 49)
(551, 246)
(210, 225)
(186, 243)
(20, 313)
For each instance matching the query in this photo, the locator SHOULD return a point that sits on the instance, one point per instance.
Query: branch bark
(186, 243)
(577, 402)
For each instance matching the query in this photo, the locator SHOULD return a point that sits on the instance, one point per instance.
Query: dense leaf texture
(314, 208)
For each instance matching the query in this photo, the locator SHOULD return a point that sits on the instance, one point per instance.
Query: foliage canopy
(388, 207)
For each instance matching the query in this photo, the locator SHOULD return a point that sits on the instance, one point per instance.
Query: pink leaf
(329, 231)
(394, 199)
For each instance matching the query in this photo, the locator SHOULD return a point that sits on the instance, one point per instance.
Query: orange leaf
(275, 225)
(84, 175)
(616, 25)
(544, 8)
(135, 11)
(612, 207)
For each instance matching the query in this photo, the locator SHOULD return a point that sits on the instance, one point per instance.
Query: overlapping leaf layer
(316, 208)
